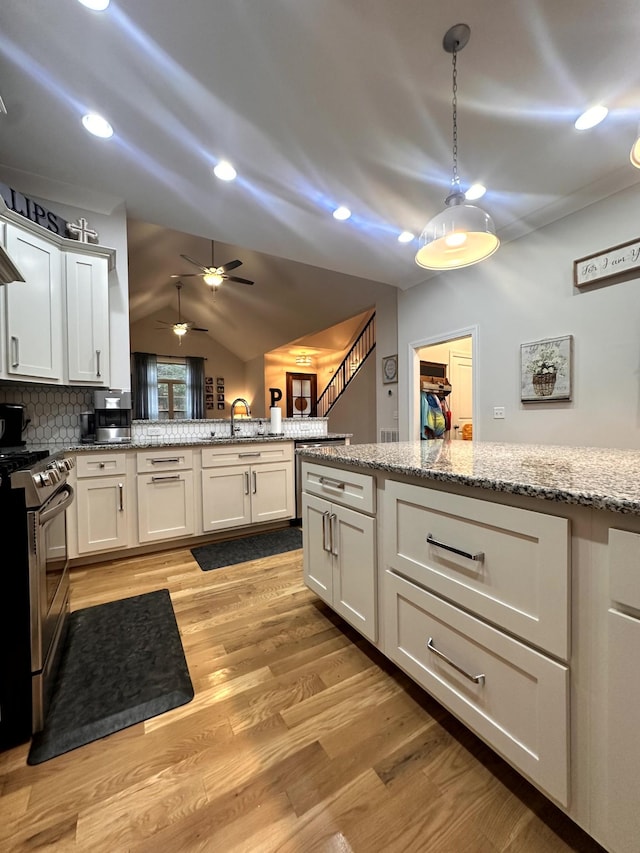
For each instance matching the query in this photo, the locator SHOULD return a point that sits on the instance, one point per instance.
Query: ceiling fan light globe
(459, 236)
(180, 329)
(213, 279)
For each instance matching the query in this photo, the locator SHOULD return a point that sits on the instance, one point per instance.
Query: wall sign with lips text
(30, 209)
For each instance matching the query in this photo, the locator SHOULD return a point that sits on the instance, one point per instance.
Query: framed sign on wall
(390, 369)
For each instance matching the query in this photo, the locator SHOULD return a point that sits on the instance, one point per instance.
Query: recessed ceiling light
(341, 213)
(591, 117)
(97, 125)
(225, 171)
(406, 237)
(474, 192)
(96, 5)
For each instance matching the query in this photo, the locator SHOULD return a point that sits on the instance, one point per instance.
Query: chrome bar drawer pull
(326, 517)
(243, 455)
(121, 494)
(479, 557)
(246, 482)
(331, 484)
(158, 479)
(98, 354)
(477, 679)
(333, 519)
(165, 460)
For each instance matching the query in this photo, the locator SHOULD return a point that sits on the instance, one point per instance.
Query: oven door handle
(48, 514)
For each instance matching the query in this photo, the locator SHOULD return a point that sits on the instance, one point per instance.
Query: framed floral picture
(545, 370)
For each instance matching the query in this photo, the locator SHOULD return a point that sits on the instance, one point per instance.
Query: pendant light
(635, 151)
(462, 234)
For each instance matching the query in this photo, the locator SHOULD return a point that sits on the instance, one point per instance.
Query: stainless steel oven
(34, 586)
(48, 592)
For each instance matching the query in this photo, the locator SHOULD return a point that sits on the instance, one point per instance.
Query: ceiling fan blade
(186, 275)
(195, 263)
(198, 329)
(232, 265)
(240, 280)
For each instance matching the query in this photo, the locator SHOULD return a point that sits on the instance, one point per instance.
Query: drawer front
(519, 706)
(508, 565)
(171, 459)
(100, 464)
(347, 488)
(624, 567)
(246, 454)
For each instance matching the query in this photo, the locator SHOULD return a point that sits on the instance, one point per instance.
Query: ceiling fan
(181, 327)
(214, 275)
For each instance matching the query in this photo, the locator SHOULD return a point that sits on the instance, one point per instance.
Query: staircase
(348, 369)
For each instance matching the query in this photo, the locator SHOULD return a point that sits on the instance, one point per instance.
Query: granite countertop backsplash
(589, 476)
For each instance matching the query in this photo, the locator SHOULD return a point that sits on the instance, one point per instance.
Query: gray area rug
(122, 663)
(232, 551)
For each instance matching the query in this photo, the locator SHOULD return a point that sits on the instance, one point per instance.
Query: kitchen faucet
(233, 406)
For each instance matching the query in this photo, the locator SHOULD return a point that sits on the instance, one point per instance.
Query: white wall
(525, 293)
(355, 411)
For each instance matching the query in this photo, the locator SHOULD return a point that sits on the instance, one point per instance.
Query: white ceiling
(320, 103)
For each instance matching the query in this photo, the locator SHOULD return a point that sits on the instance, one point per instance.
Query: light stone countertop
(186, 442)
(589, 476)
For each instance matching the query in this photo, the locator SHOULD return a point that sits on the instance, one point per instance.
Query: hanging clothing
(432, 419)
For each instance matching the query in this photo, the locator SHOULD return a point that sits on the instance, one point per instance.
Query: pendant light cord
(455, 179)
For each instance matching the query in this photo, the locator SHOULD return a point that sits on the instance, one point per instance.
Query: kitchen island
(504, 579)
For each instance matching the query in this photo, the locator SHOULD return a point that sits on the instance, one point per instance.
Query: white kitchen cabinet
(508, 565)
(511, 695)
(244, 485)
(165, 494)
(102, 502)
(340, 560)
(34, 330)
(340, 542)
(55, 324)
(623, 691)
(87, 292)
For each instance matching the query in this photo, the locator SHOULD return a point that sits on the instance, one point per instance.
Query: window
(172, 390)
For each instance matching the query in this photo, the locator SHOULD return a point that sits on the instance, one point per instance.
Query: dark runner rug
(232, 551)
(122, 663)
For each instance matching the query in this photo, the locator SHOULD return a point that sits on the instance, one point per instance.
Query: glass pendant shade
(461, 235)
(635, 152)
(213, 279)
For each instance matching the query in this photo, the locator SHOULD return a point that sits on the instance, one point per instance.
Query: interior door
(461, 397)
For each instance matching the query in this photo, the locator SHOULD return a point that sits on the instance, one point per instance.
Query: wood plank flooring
(301, 737)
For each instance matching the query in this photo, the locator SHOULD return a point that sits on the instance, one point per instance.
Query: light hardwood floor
(301, 737)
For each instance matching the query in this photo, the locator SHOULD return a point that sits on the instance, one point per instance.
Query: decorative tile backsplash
(146, 432)
(54, 412)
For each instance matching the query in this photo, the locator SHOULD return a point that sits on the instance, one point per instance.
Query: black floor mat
(232, 551)
(122, 662)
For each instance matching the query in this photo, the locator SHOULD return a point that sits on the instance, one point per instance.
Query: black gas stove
(15, 459)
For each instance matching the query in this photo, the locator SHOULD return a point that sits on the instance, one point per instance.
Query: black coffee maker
(12, 424)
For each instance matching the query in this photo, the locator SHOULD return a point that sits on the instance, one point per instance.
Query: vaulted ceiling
(319, 104)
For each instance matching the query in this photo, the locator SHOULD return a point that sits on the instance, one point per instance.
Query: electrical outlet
(498, 411)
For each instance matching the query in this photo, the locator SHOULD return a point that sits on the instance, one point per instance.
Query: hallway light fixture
(303, 360)
(462, 234)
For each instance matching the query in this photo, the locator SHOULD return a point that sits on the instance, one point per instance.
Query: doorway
(302, 395)
(453, 353)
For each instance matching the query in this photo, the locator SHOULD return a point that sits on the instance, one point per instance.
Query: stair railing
(348, 369)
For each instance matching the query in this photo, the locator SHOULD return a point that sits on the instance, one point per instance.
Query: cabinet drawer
(624, 567)
(100, 464)
(171, 459)
(509, 565)
(246, 454)
(519, 706)
(348, 488)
